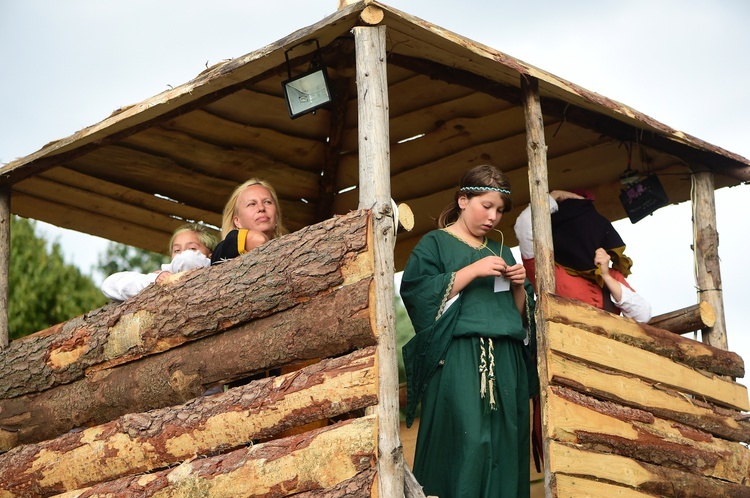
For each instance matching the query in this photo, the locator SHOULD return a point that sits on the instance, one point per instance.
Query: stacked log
(113, 402)
(635, 410)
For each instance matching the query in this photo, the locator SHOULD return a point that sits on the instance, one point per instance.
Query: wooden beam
(690, 319)
(706, 248)
(536, 150)
(719, 161)
(318, 462)
(278, 276)
(4, 263)
(612, 428)
(637, 393)
(332, 152)
(206, 425)
(375, 193)
(662, 342)
(613, 355)
(313, 329)
(650, 479)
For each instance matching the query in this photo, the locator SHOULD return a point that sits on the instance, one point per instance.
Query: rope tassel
(487, 373)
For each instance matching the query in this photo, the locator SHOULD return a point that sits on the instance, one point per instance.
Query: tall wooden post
(706, 250)
(4, 262)
(375, 194)
(544, 258)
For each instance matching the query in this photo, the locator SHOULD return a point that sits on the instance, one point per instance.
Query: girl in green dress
(469, 363)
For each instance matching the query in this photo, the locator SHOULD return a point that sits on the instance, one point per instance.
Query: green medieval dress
(465, 448)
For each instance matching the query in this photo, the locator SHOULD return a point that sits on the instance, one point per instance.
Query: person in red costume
(590, 264)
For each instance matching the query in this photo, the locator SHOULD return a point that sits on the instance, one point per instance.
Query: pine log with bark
(206, 425)
(662, 342)
(328, 325)
(317, 460)
(277, 276)
(609, 427)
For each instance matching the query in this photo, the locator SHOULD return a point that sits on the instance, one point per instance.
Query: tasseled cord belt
(487, 373)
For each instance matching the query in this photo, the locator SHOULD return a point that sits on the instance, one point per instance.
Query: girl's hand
(602, 260)
(490, 266)
(516, 274)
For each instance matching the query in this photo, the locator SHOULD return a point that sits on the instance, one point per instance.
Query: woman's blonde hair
(230, 209)
(207, 238)
(477, 181)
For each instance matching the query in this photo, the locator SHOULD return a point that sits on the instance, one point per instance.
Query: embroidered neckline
(478, 248)
(483, 245)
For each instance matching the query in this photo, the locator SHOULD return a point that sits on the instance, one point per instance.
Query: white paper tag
(502, 284)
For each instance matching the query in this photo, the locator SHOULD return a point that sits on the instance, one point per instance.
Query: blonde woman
(252, 217)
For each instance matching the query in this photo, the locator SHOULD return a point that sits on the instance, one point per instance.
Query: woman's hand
(602, 260)
(563, 195)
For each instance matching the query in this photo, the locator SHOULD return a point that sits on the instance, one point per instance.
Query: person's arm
(123, 285)
(632, 304)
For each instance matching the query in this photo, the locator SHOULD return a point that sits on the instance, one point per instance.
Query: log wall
(629, 413)
(134, 399)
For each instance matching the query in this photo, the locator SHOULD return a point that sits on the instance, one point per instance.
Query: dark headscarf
(578, 230)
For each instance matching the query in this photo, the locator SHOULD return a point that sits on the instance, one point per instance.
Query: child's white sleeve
(123, 285)
(633, 305)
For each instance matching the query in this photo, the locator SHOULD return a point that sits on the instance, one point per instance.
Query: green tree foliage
(119, 257)
(43, 289)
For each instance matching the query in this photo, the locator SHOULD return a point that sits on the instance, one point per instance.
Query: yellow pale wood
(261, 477)
(230, 429)
(630, 389)
(576, 487)
(614, 355)
(612, 325)
(614, 468)
(567, 418)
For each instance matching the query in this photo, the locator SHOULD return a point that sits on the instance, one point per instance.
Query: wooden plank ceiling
(454, 104)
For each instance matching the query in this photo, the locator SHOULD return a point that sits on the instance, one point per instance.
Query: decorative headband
(479, 189)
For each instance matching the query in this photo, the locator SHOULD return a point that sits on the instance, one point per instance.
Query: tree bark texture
(277, 276)
(605, 353)
(142, 442)
(318, 460)
(637, 434)
(373, 146)
(706, 248)
(690, 319)
(4, 263)
(652, 480)
(327, 325)
(628, 416)
(659, 400)
(662, 342)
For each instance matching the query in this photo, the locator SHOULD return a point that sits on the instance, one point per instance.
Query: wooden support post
(375, 194)
(536, 149)
(706, 249)
(4, 262)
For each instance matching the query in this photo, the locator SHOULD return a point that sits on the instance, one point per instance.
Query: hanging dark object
(310, 90)
(641, 198)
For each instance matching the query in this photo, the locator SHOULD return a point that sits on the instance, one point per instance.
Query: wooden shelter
(413, 107)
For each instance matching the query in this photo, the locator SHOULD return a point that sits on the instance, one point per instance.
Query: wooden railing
(116, 401)
(633, 410)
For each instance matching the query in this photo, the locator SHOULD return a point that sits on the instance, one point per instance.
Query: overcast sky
(67, 64)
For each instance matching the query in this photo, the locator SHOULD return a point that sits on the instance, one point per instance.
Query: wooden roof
(137, 175)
